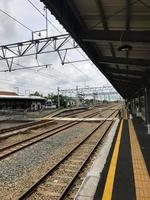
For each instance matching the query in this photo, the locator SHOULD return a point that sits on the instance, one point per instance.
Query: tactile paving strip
(141, 176)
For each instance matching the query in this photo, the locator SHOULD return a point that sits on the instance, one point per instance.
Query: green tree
(36, 93)
(63, 100)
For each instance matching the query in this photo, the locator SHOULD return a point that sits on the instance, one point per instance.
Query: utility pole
(17, 89)
(27, 92)
(46, 22)
(58, 98)
(77, 97)
(84, 83)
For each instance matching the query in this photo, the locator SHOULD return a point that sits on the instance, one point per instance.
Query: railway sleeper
(63, 178)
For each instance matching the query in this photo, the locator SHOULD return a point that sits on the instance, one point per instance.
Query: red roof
(8, 93)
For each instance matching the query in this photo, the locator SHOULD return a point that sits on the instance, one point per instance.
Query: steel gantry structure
(59, 43)
(102, 93)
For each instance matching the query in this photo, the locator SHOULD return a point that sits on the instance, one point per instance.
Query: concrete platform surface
(90, 183)
(126, 175)
(121, 169)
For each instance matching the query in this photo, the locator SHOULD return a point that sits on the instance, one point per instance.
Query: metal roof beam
(105, 25)
(126, 84)
(128, 19)
(128, 14)
(102, 14)
(129, 72)
(130, 81)
(125, 78)
(126, 61)
(107, 35)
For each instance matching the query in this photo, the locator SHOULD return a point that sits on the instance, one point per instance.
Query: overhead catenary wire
(29, 29)
(60, 33)
(32, 68)
(25, 67)
(26, 85)
(50, 22)
(44, 16)
(13, 18)
(45, 75)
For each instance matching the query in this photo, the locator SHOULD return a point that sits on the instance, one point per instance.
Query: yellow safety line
(126, 114)
(107, 194)
(141, 176)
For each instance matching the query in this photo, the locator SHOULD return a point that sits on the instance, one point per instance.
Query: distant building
(12, 101)
(49, 104)
(71, 101)
(8, 93)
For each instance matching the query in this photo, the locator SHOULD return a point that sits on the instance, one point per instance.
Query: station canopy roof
(17, 97)
(115, 34)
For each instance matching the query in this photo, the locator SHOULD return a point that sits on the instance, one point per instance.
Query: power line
(44, 16)
(55, 78)
(54, 26)
(25, 25)
(15, 20)
(27, 86)
(46, 75)
(50, 22)
(60, 33)
(32, 30)
(20, 83)
(31, 68)
(40, 73)
(16, 69)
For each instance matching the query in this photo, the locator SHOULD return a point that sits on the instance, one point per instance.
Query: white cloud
(43, 80)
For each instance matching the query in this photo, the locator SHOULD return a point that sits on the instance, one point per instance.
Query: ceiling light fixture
(125, 47)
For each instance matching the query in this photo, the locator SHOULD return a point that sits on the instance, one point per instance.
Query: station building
(12, 101)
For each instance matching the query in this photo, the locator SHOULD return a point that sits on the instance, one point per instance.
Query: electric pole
(58, 98)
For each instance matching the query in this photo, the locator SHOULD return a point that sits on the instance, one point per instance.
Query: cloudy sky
(44, 80)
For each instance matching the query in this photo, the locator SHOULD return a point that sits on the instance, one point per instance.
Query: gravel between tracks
(21, 169)
(8, 124)
(35, 131)
(27, 134)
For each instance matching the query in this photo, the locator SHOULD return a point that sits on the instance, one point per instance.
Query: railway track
(29, 124)
(56, 183)
(37, 124)
(8, 150)
(69, 113)
(34, 124)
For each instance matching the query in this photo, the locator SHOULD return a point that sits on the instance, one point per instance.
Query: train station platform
(125, 173)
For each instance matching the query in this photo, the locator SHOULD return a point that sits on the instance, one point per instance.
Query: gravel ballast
(21, 169)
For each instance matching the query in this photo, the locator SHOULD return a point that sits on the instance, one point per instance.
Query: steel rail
(43, 178)
(6, 151)
(28, 124)
(68, 187)
(77, 111)
(69, 114)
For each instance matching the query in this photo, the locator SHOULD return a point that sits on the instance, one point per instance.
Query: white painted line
(80, 119)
